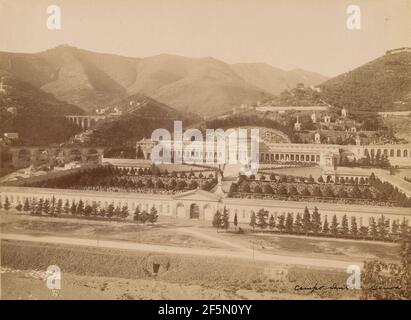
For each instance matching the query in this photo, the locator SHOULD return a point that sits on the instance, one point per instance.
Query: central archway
(180, 212)
(74, 155)
(194, 211)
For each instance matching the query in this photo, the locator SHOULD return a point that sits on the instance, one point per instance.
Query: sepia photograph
(218, 151)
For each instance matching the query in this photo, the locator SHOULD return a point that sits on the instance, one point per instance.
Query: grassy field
(173, 232)
(324, 248)
(311, 247)
(124, 274)
(159, 233)
(99, 273)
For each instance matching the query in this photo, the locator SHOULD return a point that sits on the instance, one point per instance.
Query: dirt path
(198, 233)
(244, 253)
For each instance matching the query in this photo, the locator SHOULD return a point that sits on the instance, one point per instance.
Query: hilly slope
(37, 116)
(205, 86)
(274, 80)
(79, 77)
(141, 116)
(383, 84)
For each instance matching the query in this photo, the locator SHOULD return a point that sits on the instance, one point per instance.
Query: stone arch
(24, 156)
(92, 155)
(74, 155)
(194, 211)
(180, 211)
(59, 155)
(391, 152)
(405, 153)
(398, 153)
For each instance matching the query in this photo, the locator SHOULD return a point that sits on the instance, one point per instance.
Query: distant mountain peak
(205, 85)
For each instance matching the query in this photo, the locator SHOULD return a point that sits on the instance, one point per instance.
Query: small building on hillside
(11, 135)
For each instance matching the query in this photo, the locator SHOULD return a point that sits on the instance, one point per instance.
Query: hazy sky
(310, 34)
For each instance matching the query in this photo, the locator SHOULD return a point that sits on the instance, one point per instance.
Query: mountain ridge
(93, 79)
(382, 84)
(37, 116)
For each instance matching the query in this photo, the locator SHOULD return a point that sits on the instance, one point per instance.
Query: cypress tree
(354, 227)
(102, 212)
(136, 216)
(124, 212)
(53, 204)
(363, 232)
(382, 227)
(271, 222)
(262, 216)
(94, 209)
(395, 227)
(289, 221)
(33, 207)
(404, 228)
(298, 224)
(39, 208)
(373, 228)
(73, 208)
(306, 221)
(326, 228)
(117, 212)
(281, 222)
(334, 226)
(344, 226)
(217, 220)
(26, 206)
(80, 207)
(66, 208)
(46, 206)
(235, 221)
(153, 215)
(7, 205)
(316, 221)
(253, 220)
(59, 207)
(225, 223)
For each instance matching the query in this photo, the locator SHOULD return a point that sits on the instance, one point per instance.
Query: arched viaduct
(85, 122)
